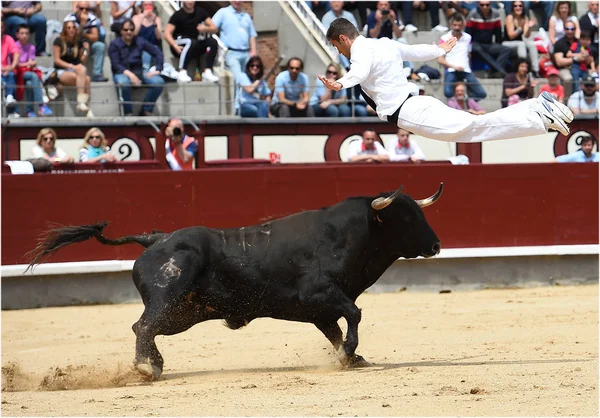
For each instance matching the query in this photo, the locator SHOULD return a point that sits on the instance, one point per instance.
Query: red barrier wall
(482, 205)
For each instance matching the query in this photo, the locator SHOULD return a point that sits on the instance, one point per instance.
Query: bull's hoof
(355, 361)
(149, 371)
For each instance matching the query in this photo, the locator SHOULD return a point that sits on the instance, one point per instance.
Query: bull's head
(406, 221)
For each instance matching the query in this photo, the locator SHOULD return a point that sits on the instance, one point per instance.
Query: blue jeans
(360, 110)
(475, 90)
(255, 109)
(333, 111)
(547, 9)
(578, 75)
(146, 60)
(236, 62)
(9, 83)
(33, 91)
(156, 87)
(98, 57)
(37, 25)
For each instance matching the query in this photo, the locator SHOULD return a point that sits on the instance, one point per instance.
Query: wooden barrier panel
(482, 205)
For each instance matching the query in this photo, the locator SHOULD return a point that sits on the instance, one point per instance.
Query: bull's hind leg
(148, 359)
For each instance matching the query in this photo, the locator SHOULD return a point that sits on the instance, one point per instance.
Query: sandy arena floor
(496, 352)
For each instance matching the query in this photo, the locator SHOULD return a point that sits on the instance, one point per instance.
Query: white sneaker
(10, 100)
(183, 77)
(14, 115)
(209, 76)
(89, 114)
(440, 28)
(550, 118)
(410, 28)
(82, 107)
(45, 98)
(560, 109)
(52, 92)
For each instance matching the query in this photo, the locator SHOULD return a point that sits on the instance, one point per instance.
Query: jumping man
(376, 64)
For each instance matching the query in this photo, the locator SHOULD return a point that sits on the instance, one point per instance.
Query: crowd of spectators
(564, 49)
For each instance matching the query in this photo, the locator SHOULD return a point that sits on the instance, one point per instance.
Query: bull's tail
(60, 236)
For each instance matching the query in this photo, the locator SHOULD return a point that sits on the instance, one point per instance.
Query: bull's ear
(384, 202)
(432, 199)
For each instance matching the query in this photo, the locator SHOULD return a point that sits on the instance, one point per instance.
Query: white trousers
(429, 117)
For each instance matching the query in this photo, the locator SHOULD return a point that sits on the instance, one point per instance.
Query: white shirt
(460, 53)
(376, 64)
(404, 154)
(355, 148)
(577, 101)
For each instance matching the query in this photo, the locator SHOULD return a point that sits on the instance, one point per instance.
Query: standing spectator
(406, 149)
(558, 22)
(586, 100)
(368, 150)
(29, 76)
(17, 13)
(10, 58)
(46, 147)
(127, 67)
(458, 61)
(461, 102)
(517, 35)
(589, 23)
(148, 26)
(237, 32)
(95, 148)
(327, 102)
(582, 155)
(181, 148)
(383, 23)
(518, 86)
(485, 27)
(189, 36)
(70, 54)
(119, 12)
(567, 61)
(88, 26)
(291, 92)
(434, 12)
(253, 93)
(553, 86)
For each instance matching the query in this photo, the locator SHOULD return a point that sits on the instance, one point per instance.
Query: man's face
(83, 7)
(369, 139)
(484, 7)
(337, 6)
(189, 5)
(570, 31)
(127, 32)
(402, 136)
(587, 147)
(459, 92)
(342, 46)
(383, 5)
(23, 35)
(237, 5)
(593, 7)
(294, 68)
(588, 89)
(457, 26)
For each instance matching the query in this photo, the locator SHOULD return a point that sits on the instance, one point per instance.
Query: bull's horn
(384, 202)
(431, 200)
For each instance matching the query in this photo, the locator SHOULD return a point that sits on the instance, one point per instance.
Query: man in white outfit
(376, 64)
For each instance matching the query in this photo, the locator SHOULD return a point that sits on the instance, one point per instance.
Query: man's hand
(178, 48)
(330, 84)
(30, 11)
(21, 11)
(448, 45)
(414, 159)
(152, 73)
(301, 105)
(324, 104)
(134, 79)
(459, 68)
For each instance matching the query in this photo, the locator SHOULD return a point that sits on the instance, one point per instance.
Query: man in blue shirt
(584, 155)
(291, 92)
(237, 32)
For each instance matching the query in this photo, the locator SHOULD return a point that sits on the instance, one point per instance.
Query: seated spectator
(95, 148)
(485, 27)
(253, 93)
(586, 62)
(119, 12)
(368, 150)
(327, 102)
(181, 149)
(461, 102)
(518, 86)
(127, 67)
(11, 55)
(582, 155)
(562, 15)
(88, 26)
(458, 61)
(46, 147)
(406, 149)
(567, 61)
(553, 86)
(189, 36)
(237, 32)
(586, 100)
(383, 23)
(29, 76)
(434, 12)
(517, 35)
(319, 8)
(291, 92)
(96, 9)
(589, 23)
(70, 54)
(148, 26)
(28, 13)
(545, 7)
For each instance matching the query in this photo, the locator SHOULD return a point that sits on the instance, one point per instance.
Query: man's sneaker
(99, 78)
(410, 28)
(183, 77)
(560, 109)
(550, 118)
(440, 28)
(52, 92)
(209, 76)
(44, 110)
(10, 100)
(31, 114)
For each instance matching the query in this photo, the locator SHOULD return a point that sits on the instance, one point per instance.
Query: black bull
(308, 267)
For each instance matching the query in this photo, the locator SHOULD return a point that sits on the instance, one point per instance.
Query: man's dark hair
(585, 35)
(22, 26)
(295, 59)
(586, 138)
(339, 27)
(129, 21)
(456, 17)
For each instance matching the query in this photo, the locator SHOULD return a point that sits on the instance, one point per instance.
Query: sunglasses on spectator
(95, 137)
(295, 68)
(570, 29)
(254, 66)
(84, 8)
(332, 72)
(520, 6)
(484, 5)
(48, 138)
(127, 29)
